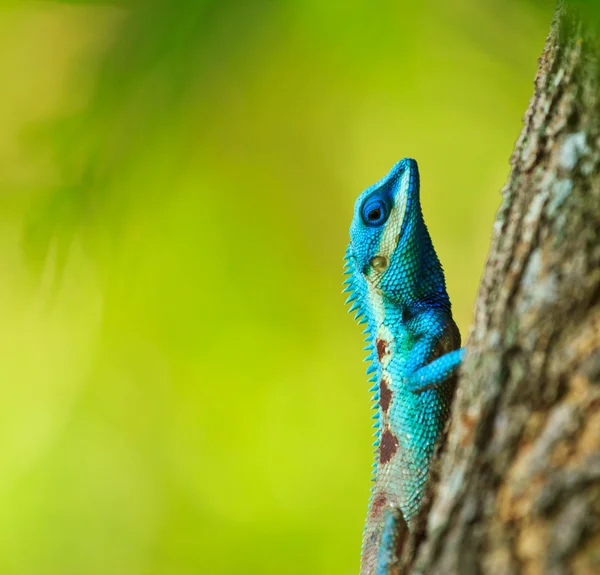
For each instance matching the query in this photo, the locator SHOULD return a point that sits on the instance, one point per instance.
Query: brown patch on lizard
(379, 502)
(387, 446)
(385, 396)
(382, 348)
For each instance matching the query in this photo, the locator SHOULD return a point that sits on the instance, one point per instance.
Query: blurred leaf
(55, 221)
(196, 386)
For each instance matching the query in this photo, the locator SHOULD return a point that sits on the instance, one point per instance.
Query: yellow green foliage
(181, 390)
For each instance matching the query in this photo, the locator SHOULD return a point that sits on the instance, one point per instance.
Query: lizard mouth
(394, 227)
(407, 196)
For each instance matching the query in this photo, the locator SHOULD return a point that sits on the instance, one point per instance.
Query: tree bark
(519, 479)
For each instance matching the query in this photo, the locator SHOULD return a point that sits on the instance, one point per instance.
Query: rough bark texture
(519, 488)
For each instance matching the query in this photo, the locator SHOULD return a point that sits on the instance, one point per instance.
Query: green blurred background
(182, 391)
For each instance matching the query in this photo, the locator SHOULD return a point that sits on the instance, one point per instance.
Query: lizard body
(397, 288)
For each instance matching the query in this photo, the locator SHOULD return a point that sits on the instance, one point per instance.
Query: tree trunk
(519, 486)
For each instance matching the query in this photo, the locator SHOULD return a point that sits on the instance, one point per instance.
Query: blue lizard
(397, 288)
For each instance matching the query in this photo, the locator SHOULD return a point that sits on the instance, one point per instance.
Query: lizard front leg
(436, 373)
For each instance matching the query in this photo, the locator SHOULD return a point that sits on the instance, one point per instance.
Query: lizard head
(390, 258)
(379, 232)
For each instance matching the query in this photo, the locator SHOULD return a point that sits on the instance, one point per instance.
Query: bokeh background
(181, 389)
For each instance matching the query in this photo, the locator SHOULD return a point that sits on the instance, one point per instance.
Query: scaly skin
(397, 288)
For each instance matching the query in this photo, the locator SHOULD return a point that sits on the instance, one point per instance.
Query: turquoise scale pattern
(396, 288)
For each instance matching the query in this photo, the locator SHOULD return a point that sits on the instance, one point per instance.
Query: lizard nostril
(379, 263)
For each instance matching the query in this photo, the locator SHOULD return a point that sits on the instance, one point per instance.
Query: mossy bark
(519, 479)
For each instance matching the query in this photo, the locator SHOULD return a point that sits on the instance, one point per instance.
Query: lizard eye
(374, 212)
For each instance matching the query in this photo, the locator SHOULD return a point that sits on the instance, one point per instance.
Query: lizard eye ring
(374, 212)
